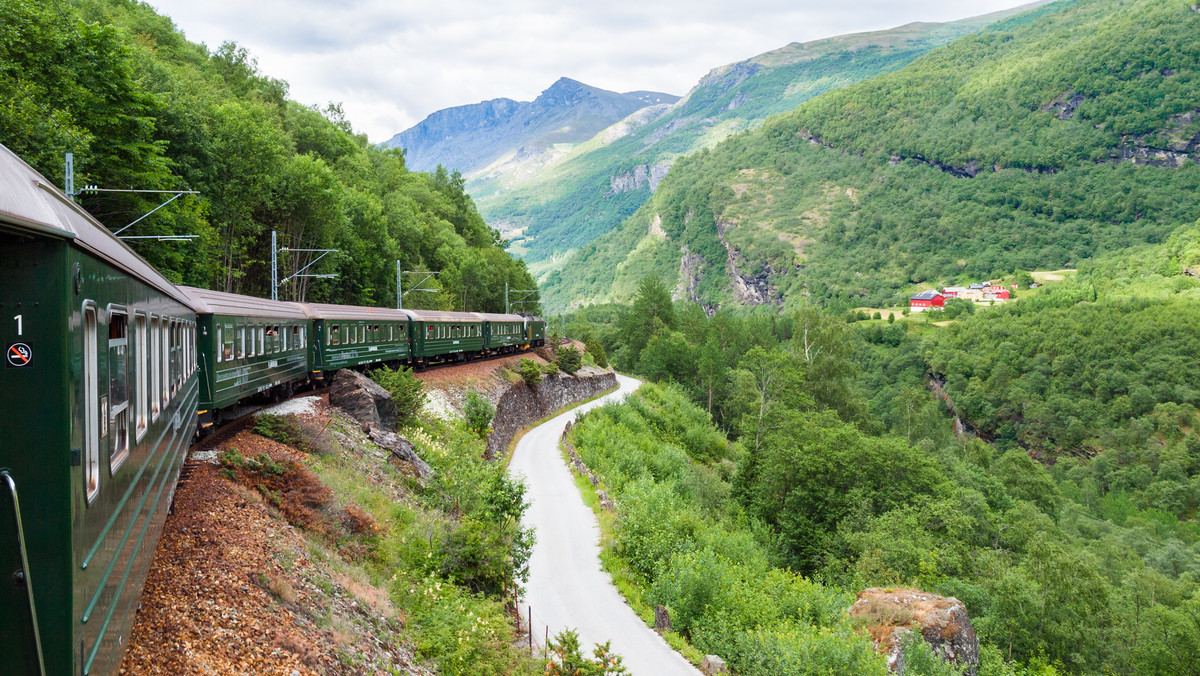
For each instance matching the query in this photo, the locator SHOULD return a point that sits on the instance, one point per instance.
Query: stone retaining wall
(520, 405)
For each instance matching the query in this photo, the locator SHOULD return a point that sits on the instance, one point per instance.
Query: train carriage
(535, 330)
(503, 333)
(97, 393)
(246, 346)
(348, 336)
(445, 336)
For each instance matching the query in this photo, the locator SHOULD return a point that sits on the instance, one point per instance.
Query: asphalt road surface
(567, 588)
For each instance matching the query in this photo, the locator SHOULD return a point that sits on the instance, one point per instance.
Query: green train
(109, 373)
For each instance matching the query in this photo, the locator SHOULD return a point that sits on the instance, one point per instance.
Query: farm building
(926, 300)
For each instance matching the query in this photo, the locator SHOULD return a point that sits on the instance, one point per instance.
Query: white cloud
(393, 63)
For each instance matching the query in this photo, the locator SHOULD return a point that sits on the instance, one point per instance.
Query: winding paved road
(567, 588)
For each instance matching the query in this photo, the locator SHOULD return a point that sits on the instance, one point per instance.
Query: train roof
(205, 302)
(353, 312)
(495, 317)
(444, 316)
(30, 204)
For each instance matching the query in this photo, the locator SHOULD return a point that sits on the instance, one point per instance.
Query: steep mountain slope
(566, 197)
(467, 138)
(1039, 142)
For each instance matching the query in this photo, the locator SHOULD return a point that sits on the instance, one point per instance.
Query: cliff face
(520, 406)
(471, 137)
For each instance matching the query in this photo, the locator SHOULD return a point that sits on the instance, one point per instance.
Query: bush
(566, 658)
(595, 349)
(530, 372)
(406, 389)
(277, 428)
(550, 369)
(569, 360)
(478, 412)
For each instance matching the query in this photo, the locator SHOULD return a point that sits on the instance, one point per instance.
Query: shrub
(479, 413)
(569, 360)
(550, 369)
(406, 389)
(566, 658)
(276, 428)
(595, 349)
(530, 372)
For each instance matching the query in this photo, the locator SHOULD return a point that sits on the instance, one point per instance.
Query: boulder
(403, 453)
(593, 479)
(713, 665)
(890, 614)
(364, 400)
(662, 619)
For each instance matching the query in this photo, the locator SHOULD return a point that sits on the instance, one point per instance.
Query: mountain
(468, 138)
(562, 198)
(1042, 141)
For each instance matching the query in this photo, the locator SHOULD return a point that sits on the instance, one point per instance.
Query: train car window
(297, 341)
(276, 341)
(141, 362)
(172, 357)
(336, 335)
(155, 367)
(227, 344)
(220, 345)
(91, 406)
(303, 336)
(118, 387)
(164, 328)
(283, 336)
(241, 342)
(178, 358)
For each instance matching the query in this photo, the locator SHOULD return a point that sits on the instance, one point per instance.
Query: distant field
(1044, 276)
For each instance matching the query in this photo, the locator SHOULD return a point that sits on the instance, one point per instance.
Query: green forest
(1043, 141)
(140, 107)
(785, 461)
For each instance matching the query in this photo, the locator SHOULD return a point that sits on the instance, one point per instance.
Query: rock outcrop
(521, 405)
(892, 613)
(403, 454)
(713, 665)
(662, 619)
(364, 400)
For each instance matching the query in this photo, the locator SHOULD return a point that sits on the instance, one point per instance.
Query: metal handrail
(16, 502)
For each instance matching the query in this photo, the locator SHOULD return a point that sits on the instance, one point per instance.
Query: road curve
(567, 588)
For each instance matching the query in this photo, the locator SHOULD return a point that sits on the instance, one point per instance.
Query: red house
(926, 300)
(997, 292)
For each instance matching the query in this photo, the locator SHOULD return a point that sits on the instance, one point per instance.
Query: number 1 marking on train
(20, 332)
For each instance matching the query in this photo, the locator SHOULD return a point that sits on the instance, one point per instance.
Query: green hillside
(575, 199)
(139, 106)
(1040, 142)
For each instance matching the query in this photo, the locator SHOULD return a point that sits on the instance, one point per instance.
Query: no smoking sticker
(18, 355)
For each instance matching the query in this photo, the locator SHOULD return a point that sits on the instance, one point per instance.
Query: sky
(390, 63)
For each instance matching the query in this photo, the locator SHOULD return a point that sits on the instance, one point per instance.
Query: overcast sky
(393, 62)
